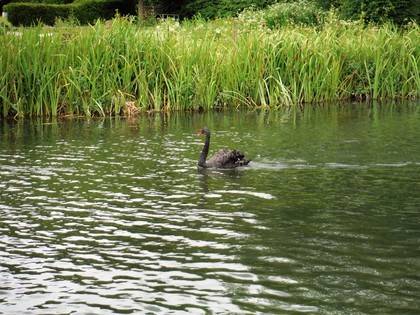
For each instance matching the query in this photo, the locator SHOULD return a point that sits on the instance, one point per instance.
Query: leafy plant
(5, 25)
(301, 12)
(120, 67)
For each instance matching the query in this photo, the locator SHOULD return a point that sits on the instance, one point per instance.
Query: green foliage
(219, 8)
(301, 12)
(4, 25)
(127, 7)
(88, 11)
(397, 11)
(102, 70)
(33, 13)
(85, 11)
(3, 3)
(168, 6)
(328, 4)
(44, 1)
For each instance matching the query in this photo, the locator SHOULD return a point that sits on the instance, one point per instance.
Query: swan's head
(204, 131)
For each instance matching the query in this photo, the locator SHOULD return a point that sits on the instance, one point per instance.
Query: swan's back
(226, 158)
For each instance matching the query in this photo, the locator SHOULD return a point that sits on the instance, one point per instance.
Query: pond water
(108, 216)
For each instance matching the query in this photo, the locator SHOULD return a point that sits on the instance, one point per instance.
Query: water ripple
(113, 217)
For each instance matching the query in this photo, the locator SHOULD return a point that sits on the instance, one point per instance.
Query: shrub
(219, 8)
(85, 11)
(43, 1)
(397, 11)
(301, 12)
(32, 13)
(3, 3)
(88, 11)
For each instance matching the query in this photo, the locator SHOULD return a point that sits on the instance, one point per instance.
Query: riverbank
(120, 68)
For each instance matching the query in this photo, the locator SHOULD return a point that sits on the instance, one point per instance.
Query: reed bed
(120, 67)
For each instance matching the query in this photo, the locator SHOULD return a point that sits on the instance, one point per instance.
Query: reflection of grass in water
(111, 69)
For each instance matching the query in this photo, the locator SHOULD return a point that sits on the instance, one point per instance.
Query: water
(111, 216)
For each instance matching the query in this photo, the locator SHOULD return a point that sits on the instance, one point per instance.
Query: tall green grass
(109, 68)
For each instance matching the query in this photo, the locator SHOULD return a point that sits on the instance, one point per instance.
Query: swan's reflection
(227, 175)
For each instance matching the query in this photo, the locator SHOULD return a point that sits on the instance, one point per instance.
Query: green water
(112, 216)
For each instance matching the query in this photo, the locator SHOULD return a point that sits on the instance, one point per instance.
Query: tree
(398, 11)
(2, 3)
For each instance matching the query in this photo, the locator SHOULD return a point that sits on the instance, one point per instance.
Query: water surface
(109, 216)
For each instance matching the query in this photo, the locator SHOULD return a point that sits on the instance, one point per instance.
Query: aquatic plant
(105, 68)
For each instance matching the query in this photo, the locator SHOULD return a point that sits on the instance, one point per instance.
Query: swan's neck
(204, 152)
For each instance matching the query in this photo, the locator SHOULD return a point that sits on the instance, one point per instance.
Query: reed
(104, 68)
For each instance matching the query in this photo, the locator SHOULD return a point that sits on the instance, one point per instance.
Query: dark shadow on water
(230, 172)
(205, 174)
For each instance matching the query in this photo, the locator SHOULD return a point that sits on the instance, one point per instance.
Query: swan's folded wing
(225, 158)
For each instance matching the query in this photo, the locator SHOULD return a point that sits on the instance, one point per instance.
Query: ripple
(111, 216)
(282, 260)
(250, 193)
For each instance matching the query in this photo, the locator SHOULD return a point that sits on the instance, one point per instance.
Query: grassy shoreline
(120, 68)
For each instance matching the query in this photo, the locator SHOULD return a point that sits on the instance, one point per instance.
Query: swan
(224, 158)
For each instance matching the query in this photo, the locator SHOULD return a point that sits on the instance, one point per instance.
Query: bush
(219, 8)
(382, 10)
(3, 3)
(301, 12)
(31, 13)
(88, 11)
(43, 1)
(397, 11)
(85, 11)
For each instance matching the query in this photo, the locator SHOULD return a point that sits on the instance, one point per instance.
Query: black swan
(224, 158)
